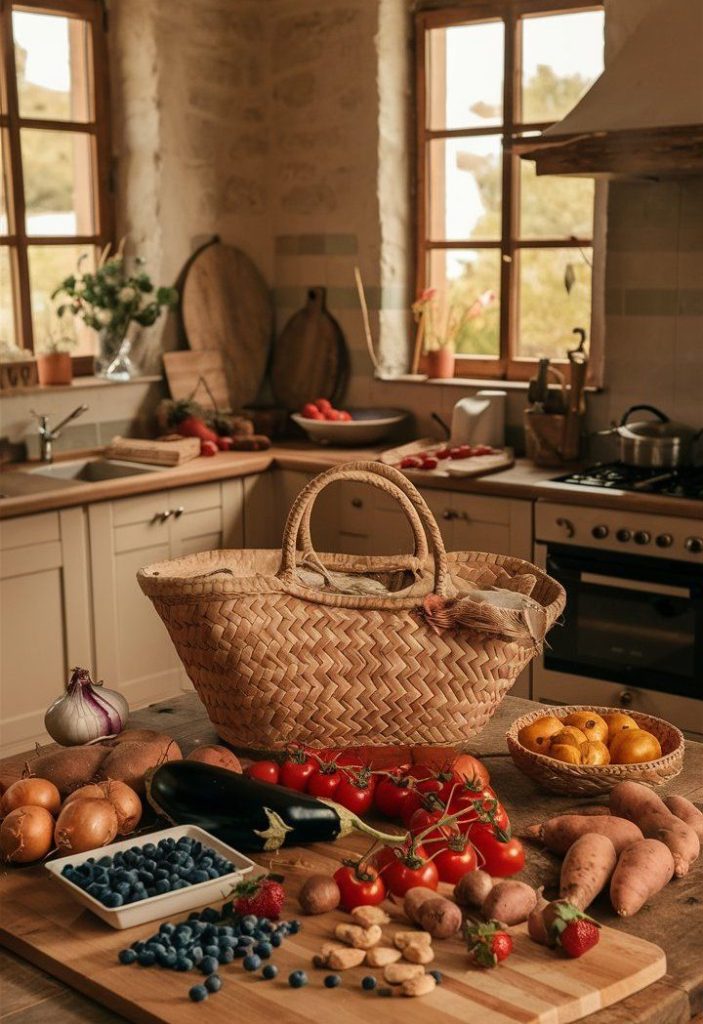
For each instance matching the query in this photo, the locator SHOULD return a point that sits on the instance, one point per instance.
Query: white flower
(104, 316)
(80, 287)
(126, 294)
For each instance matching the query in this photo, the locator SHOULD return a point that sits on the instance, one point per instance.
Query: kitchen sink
(93, 470)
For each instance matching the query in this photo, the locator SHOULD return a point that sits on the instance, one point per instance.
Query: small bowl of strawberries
(325, 424)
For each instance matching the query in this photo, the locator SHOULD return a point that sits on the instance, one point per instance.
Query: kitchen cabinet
(44, 618)
(133, 652)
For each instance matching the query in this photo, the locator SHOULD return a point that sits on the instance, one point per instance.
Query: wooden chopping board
(226, 306)
(184, 371)
(310, 358)
(535, 986)
(476, 465)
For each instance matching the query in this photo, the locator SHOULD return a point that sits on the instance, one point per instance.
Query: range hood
(644, 115)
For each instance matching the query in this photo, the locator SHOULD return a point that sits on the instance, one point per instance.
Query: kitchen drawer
(140, 535)
(195, 499)
(21, 532)
(140, 508)
(468, 508)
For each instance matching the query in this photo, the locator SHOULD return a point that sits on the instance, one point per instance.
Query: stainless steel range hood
(644, 115)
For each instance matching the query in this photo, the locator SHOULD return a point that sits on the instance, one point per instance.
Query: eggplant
(248, 814)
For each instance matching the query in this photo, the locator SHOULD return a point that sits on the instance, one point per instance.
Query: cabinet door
(286, 486)
(195, 522)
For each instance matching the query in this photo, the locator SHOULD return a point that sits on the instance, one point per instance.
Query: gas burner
(673, 483)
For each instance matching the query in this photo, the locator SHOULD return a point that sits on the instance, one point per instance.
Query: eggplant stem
(384, 837)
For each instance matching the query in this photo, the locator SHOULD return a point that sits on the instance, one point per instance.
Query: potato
(319, 894)
(413, 900)
(70, 767)
(559, 833)
(640, 805)
(127, 762)
(510, 902)
(472, 888)
(586, 869)
(440, 917)
(642, 870)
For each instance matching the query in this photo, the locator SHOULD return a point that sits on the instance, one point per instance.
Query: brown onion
(219, 756)
(128, 806)
(93, 791)
(31, 792)
(85, 824)
(26, 834)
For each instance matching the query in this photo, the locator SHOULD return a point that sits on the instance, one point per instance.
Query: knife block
(546, 438)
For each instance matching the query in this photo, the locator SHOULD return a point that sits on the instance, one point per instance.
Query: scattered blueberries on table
(296, 979)
(269, 972)
(197, 993)
(332, 981)
(369, 983)
(437, 975)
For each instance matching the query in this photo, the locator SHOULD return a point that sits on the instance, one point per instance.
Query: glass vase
(110, 340)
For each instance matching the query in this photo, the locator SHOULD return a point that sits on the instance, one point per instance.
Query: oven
(632, 631)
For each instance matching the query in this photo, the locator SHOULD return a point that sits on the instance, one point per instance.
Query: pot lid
(660, 428)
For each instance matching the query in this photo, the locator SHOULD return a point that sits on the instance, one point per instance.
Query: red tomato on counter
(404, 869)
(455, 860)
(297, 769)
(264, 771)
(359, 886)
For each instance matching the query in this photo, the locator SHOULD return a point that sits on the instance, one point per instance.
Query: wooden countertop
(672, 920)
(27, 495)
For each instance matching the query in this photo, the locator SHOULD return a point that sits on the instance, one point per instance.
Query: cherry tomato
(420, 771)
(323, 404)
(455, 453)
(359, 886)
(325, 781)
(332, 415)
(442, 453)
(310, 411)
(297, 769)
(455, 860)
(404, 869)
(225, 444)
(473, 803)
(481, 449)
(424, 819)
(345, 417)
(391, 795)
(429, 463)
(264, 771)
(410, 462)
(470, 767)
(208, 448)
(500, 859)
(355, 794)
(410, 805)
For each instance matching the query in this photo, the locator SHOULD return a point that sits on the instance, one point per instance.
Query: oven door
(628, 619)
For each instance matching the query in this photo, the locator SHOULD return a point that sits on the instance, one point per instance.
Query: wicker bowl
(589, 780)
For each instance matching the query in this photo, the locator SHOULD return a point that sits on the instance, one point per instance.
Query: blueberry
(208, 965)
(196, 954)
(249, 923)
(270, 971)
(245, 940)
(195, 877)
(197, 993)
(332, 981)
(184, 963)
(112, 900)
(167, 959)
(146, 958)
(252, 962)
(97, 890)
(213, 983)
(210, 915)
(139, 945)
(227, 942)
(276, 939)
(240, 951)
(155, 946)
(369, 983)
(180, 884)
(162, 885)
(212, 873)
(149, 850)
(437, 975)
(161, 873)
(263, 949)
(226, 956)
(297, 979)
(265, 925)
(127, 956)
(294, 927)
(105, 862)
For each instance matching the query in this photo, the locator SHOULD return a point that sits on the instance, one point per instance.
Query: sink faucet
(47, 434)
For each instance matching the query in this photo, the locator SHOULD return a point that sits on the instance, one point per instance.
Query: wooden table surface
(674, 920)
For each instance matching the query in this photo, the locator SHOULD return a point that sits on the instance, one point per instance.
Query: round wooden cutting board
(226, 306)
(310, 358)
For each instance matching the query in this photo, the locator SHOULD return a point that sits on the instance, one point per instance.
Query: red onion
(87, 711)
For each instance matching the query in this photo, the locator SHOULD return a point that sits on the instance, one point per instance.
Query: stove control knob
(664, 540)
(694, 545)
(600, 532)
(623, 535)
(643, 537)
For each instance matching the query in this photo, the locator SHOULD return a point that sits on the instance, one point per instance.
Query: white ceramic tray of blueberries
(165, 904)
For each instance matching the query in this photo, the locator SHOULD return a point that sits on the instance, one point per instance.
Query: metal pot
(654, 444)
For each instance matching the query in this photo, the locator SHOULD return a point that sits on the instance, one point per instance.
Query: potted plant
(109, 300)
(438, 344)
(54, 365)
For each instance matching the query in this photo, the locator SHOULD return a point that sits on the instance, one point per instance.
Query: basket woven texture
(589, 780)
(275, 662)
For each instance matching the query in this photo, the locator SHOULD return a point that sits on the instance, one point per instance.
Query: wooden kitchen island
(674, 920)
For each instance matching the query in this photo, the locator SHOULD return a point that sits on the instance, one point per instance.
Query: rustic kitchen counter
(673, 920)
(21, 493)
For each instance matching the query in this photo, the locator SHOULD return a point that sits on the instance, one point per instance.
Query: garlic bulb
(86, 711)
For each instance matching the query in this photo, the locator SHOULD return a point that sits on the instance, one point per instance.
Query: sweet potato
(642, 870)
(559, 833)
(587, 867)
(637, 803)
(70, 767)
(510, 902)
(688, 812)
(127, 762)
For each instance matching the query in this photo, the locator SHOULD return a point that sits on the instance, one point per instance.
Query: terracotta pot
(54, 368)
(440, 362)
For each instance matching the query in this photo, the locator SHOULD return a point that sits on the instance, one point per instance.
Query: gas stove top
(616, 476)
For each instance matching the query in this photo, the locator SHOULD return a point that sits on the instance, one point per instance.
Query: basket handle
(385, 478)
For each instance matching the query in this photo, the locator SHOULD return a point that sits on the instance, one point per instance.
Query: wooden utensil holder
(545, 438)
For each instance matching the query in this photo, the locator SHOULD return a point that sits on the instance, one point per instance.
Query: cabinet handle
(161, 517)
(449, 514)
(178, 512)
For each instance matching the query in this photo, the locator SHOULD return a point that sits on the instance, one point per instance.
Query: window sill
(82, 384)
(466, 382)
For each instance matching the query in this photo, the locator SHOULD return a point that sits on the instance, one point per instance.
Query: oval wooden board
(226, 305)
(310, 358)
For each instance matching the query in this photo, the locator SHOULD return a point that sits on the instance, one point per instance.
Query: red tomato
(442, 453)
(455, 860)
(208, 448)
(424, 819)
(310, 411)
(323, 404)
(455, 453)
(410, 462)
(391, 795)
(355, 794)
(500, 859)
(297, 769)
(404, 869)
(264, 771)
(359, 886)
(469, 767)
(225, 443)
(411, 804)
(345, 416)
(481, 449)
(420, 771)
(325, 781)
(429, 463)
(473, 803)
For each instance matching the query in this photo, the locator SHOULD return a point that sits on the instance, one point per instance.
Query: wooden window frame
(508, 365)
(97, 129)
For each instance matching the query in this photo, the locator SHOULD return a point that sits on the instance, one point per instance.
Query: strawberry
(262, 896)
(570, 929)
(488, 943)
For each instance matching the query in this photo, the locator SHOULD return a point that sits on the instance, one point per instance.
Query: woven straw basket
(589, 780)
(278, 662)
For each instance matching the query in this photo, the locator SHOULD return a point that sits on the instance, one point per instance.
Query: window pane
(465, 188)
(562, 55)
(57, 182)
(51, 59)
(469, 281)
(7, 322)
(552, 206)
(548, 312)
(465, 75)
(48, 266)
